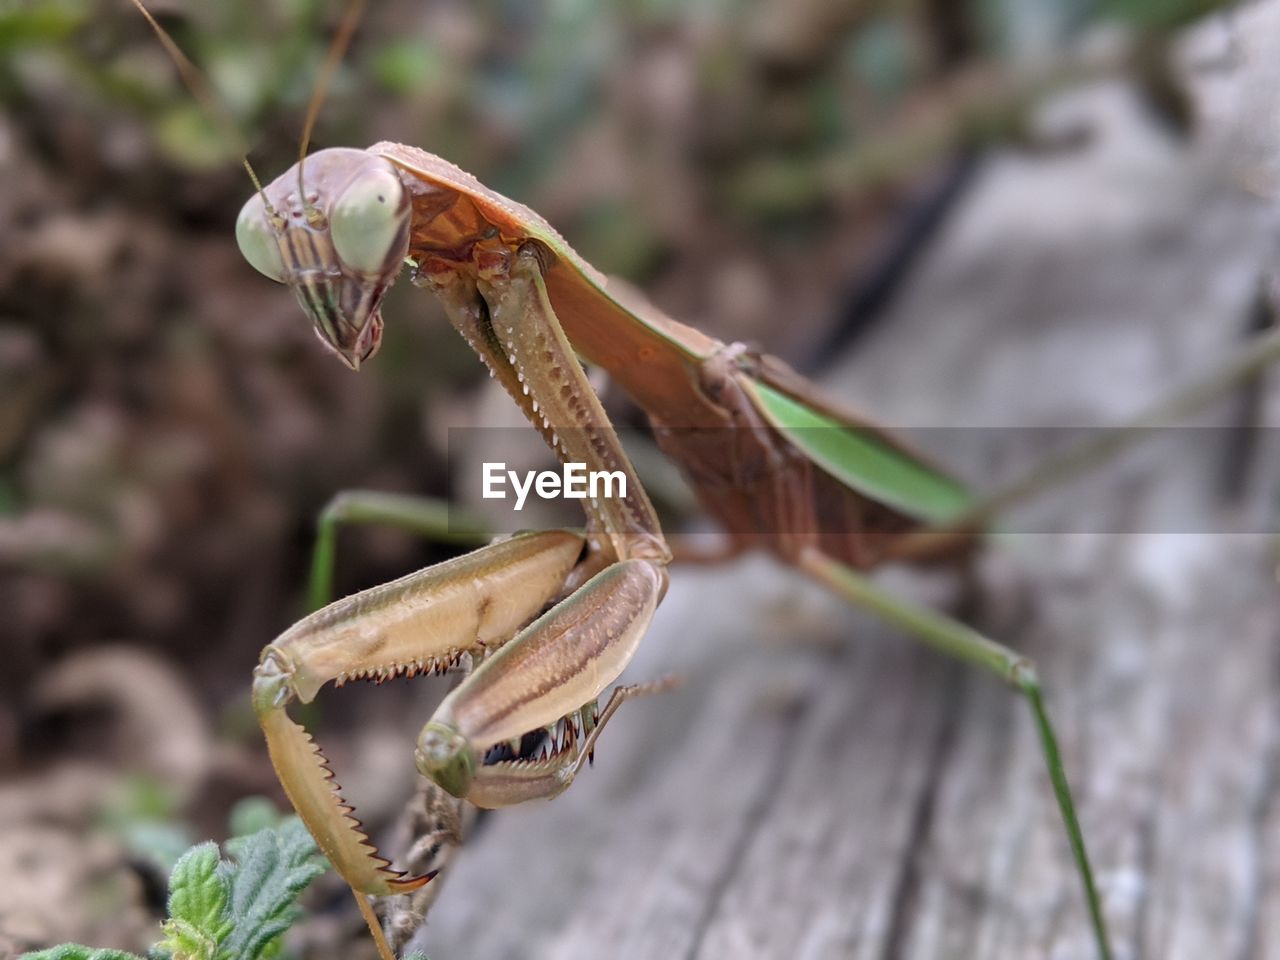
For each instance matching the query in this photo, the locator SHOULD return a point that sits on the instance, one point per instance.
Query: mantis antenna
(200, 89)
(346, 30)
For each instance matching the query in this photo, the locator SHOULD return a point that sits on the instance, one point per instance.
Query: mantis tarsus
(782, 468)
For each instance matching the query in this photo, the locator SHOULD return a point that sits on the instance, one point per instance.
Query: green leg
(964, 643)
(425, 516)
(1241, 368)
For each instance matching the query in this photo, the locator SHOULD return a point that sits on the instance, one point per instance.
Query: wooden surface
(820, 787)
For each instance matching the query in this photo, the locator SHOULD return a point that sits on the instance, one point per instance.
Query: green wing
(861, 460)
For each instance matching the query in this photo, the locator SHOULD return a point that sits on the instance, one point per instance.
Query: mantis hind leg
(427, 517)
(964, 643)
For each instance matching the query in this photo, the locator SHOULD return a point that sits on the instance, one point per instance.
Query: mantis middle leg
(964, 643)
(425, 516)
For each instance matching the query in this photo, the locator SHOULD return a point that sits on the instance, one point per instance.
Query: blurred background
(774, 172)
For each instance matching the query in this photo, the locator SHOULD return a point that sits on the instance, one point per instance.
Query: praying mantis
(547, 621)
(782, 468)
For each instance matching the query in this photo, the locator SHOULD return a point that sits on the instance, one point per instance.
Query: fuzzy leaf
(184, 941)
(199, 893)
(273, 867)
(73, 951)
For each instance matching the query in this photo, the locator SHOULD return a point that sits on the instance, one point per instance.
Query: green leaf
(252, 814)
(183, 941)
(199, 894)
(73, 951)
(274, 867)
(862, 461)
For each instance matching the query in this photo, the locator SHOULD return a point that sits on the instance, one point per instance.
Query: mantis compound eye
(257, 241)
(369, 223)
(443, 755)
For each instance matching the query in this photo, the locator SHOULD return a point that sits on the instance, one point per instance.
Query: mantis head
(337, 233)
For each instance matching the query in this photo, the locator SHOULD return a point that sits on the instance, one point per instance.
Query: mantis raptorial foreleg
(565, 659)
(505, 315)
(556, 665)
(434, 823)
(427, 621)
